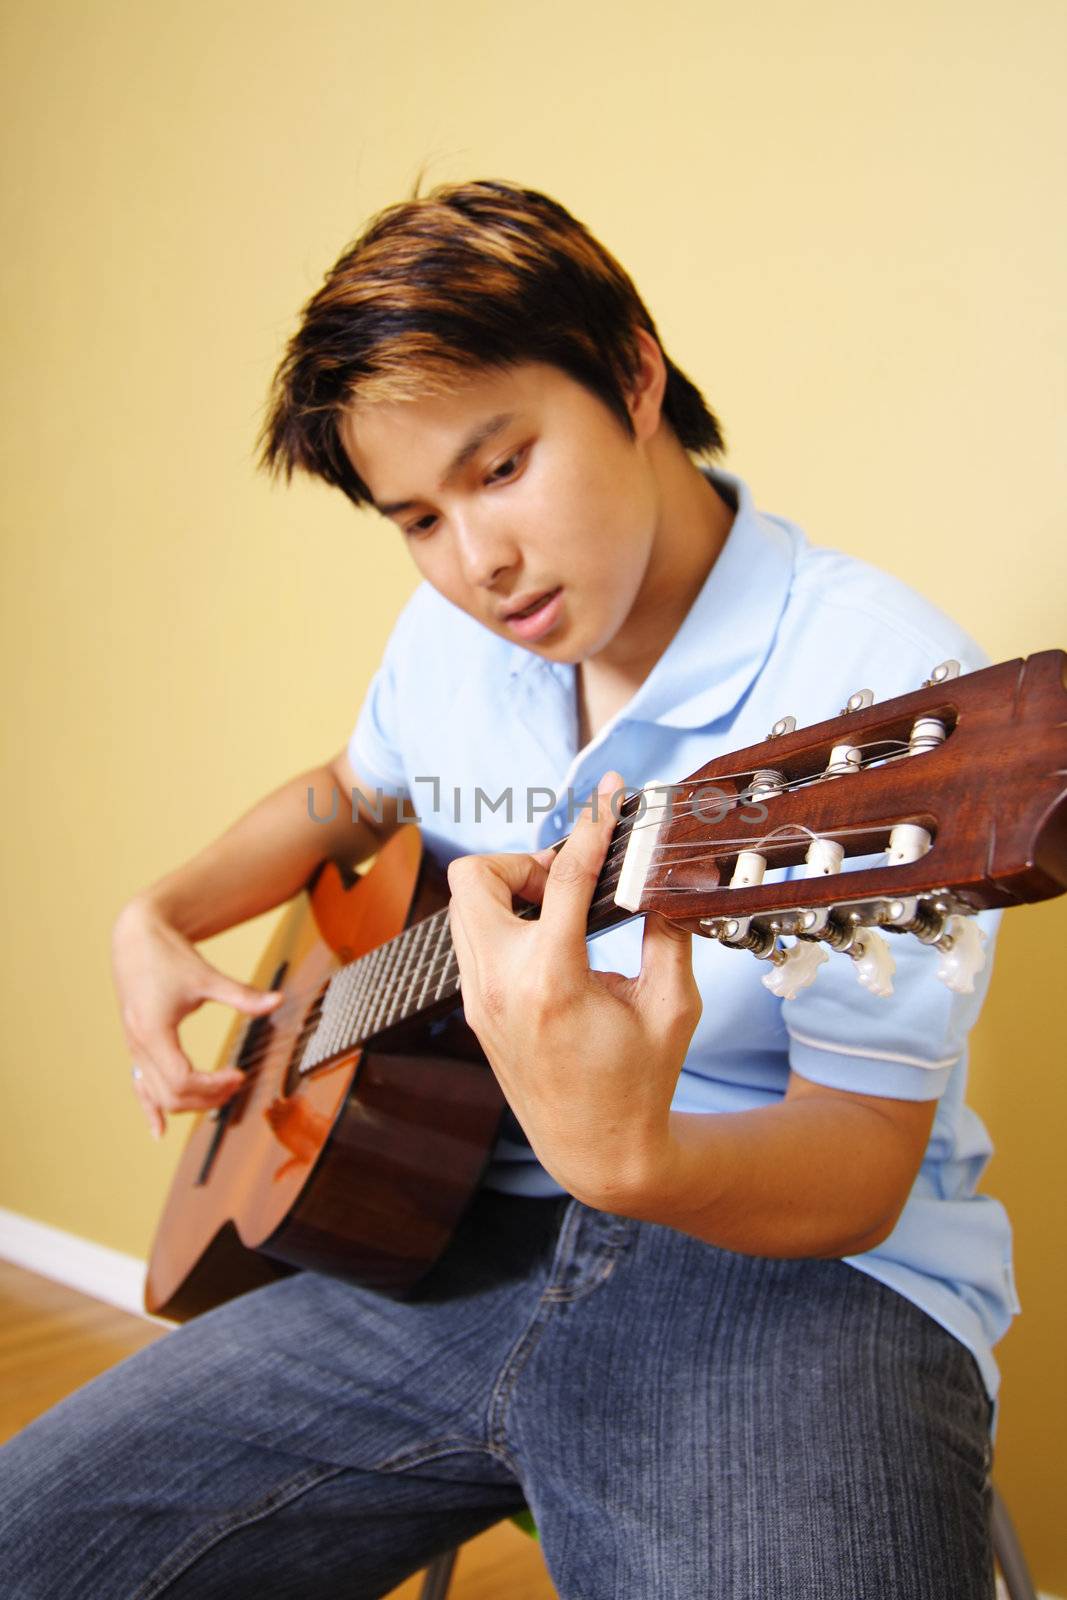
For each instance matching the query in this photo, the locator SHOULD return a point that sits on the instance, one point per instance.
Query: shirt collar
(727, 632)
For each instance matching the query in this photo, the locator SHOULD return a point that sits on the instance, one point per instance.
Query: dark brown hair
(471, 275)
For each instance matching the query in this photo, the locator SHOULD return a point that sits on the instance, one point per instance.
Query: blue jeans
(684, 1423)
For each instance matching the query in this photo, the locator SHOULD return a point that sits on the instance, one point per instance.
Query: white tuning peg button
(874, 961)
(795, 969)
(962, 954)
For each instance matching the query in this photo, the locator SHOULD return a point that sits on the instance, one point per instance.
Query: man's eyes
(500, 474)
(510, 462)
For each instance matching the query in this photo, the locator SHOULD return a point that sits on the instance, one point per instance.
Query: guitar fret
(426, 995)
(422, 935)
(348, 980)
(452, 972)
(369, 1010)
(378, 1010)
(399, 978)
(368, 998)
(324, 1042)
(394, 989)
(358, 990)
(401, 984)
(415, 966)
(429, 965)
(441, 979)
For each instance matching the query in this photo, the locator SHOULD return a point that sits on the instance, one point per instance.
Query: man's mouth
(538, 617)
(535, 605)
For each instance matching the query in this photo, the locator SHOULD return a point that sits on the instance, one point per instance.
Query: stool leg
(1009, 1553)
(438, 1576)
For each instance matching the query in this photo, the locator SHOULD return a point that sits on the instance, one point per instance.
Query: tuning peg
(857, 702)
(962, 954)
(766, 784)
(942, 673)
(748, 872)
(794, 969)
(783, 725)
(844, 760)
(907, 842)
(824, 857)
(874, 961)
(926, 734)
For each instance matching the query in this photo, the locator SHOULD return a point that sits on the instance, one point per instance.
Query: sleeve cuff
(897, 1077)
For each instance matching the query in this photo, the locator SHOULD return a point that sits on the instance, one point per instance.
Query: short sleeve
(375, 747)
(904, 1046)
(372, 747)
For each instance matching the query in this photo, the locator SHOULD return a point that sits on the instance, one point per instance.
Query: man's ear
(645, 398)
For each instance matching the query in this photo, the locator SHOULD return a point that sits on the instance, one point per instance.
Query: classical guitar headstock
(959, 790)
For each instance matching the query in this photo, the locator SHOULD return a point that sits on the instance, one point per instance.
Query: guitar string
(439, 964)
(438, 967)
(430, 966)
(426, 971)
(406, 975)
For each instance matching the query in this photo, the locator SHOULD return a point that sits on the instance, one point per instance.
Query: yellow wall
(848, 222)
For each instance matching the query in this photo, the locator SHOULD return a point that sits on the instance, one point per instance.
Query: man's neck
(695, 521)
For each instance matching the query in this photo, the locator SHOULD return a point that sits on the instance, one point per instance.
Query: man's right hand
(159, 978)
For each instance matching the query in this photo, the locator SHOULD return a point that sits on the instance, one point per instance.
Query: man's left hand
(587, 1060)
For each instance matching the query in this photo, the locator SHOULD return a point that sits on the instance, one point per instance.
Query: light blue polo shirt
(483, 736)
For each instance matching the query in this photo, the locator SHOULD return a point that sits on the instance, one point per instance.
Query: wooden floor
(53, 1339)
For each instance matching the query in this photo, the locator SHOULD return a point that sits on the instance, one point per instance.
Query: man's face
(556, 500)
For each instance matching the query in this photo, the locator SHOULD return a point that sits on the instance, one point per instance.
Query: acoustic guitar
(369, 1111)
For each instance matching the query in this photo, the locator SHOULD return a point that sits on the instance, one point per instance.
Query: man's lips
(527, 602)
(541, 620)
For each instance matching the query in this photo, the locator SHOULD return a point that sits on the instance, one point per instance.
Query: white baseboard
(92, 1269)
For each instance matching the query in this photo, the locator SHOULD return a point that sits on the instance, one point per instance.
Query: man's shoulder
(849, 625)
(842, 598)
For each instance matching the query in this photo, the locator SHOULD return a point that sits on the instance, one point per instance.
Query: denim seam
(619, 1237)
(504, 1387)
(510, 1372)
(180, 1560)
(417, 1456)
(565, 1239)
(564, 1296)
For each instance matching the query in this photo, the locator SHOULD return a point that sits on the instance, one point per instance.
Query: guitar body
(361, 1168)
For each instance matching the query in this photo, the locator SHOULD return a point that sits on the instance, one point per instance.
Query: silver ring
(136, 1074)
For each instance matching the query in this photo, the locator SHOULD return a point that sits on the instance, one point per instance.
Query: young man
(723, 1309)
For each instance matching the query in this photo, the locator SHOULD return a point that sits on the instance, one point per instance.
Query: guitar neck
(959, 786)
(416, 975)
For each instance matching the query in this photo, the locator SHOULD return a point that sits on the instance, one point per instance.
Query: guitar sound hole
(310, 1023)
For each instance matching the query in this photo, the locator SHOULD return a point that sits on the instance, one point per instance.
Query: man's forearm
(799, 1178)
(265, 858)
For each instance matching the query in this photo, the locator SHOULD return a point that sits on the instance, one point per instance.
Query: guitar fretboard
(417, 971)
(399, 980)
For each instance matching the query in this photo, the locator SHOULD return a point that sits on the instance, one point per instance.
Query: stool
(439, 1572)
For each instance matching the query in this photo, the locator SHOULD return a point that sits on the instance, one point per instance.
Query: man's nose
(486, 550)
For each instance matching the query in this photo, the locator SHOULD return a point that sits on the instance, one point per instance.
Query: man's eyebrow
(470, 447)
